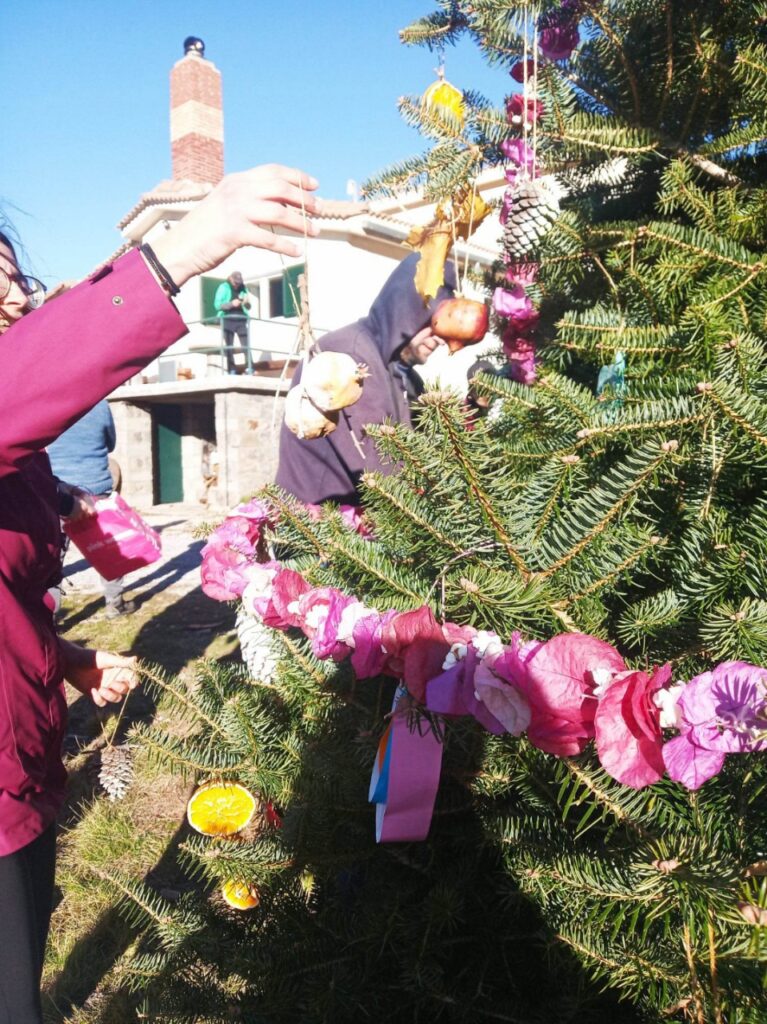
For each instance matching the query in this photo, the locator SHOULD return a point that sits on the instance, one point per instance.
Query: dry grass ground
(137, 835)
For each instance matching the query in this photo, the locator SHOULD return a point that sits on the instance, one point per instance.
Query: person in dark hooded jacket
(391, 341)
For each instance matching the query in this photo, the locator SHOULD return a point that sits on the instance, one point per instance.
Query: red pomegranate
(460, 322)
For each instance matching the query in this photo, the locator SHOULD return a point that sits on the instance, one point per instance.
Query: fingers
(116, 682)
(279, 172)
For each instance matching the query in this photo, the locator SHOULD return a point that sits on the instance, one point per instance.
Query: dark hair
(5, 240)
(480, 366)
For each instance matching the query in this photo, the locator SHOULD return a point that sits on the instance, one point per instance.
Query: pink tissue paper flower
(559, 679)
(515, 304)
(518, 70)
(251, 519)
(282, 611)
(225, 559)
(500, 696)
(320, 610)
(627, 728)
(258, 591)
(507, 204)
(520, 154)
(416, 648)
(369, 657)
(721, 712)
(452, 692)
(519, 111)
(520, 352)
(558, 41)
(354, 518)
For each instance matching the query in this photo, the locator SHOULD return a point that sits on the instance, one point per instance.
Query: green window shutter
(208, 286)
(290, 298)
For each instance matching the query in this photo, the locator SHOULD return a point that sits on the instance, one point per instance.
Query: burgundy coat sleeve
(61, 359)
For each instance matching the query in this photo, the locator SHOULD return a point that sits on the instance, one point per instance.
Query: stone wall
(248, 447)
(134, 451)
(238, 422)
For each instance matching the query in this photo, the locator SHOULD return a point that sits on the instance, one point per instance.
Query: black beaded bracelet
(165, 279)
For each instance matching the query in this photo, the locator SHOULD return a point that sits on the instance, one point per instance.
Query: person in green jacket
(232, 302)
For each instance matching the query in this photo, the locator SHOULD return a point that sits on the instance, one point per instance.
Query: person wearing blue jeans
(80, 458)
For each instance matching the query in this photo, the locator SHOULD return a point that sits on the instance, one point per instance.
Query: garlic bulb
(333, 380)
(304, 419)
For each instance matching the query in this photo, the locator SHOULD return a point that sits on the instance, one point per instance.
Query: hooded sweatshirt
(329, 468)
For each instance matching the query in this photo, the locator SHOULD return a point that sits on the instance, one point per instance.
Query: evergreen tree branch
(595, 511)
(595, 12)
(604, 800)
(617, 967)
(737, 408)
(180, 697)
(436, 399)
(419, 518)
(634, 558)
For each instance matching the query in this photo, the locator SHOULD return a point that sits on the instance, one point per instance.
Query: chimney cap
(194, 45)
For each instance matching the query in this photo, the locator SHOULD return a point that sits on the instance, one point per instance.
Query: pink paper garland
(563, 693)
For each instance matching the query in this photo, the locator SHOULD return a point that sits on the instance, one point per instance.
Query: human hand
(241, 210)
(103, 676)
(83, 503)
(84, 506)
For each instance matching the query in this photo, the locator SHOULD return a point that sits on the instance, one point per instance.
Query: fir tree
(636, 515)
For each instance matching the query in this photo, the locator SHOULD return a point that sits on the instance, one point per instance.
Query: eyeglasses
(33, 289)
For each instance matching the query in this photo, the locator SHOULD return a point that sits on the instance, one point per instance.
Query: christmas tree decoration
(220, 808)
(256, 642)
(460, 322)
(240, 896)
(443, 99)
(116, 771)
(534, 206)
(303, 417)
(333, 381)
(562, 609)
(454, 219)
(558, 41)
(523, 111)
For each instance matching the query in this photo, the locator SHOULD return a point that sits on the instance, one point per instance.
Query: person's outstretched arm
(66, 356)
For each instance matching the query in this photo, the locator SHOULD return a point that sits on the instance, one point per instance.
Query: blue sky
(85, 124)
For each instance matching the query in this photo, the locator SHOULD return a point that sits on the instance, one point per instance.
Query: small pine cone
(116, 771)
(257, 647)
(534, 208)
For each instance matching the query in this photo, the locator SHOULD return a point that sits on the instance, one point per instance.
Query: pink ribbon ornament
(405, 778)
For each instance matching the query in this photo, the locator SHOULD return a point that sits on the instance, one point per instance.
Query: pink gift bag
(116, 540)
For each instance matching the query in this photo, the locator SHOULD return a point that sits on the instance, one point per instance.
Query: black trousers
(26, 902)
(236, 327)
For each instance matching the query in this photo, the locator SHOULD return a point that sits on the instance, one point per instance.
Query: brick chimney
(196, 116)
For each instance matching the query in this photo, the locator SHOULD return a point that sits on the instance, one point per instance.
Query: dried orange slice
(240, 896)
(220, 808)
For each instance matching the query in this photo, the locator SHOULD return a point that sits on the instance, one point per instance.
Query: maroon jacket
(57, 362)
(329, 468)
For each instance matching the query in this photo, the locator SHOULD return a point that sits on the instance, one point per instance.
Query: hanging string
(535, 93)
(525, 76)
(304, 338)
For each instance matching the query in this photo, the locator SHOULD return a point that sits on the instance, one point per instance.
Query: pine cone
(116, 770)
(534, 208)
(257, 647)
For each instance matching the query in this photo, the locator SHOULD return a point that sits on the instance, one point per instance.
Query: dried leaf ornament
(454, 219)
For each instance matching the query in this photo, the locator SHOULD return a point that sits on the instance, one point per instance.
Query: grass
(136, 837)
